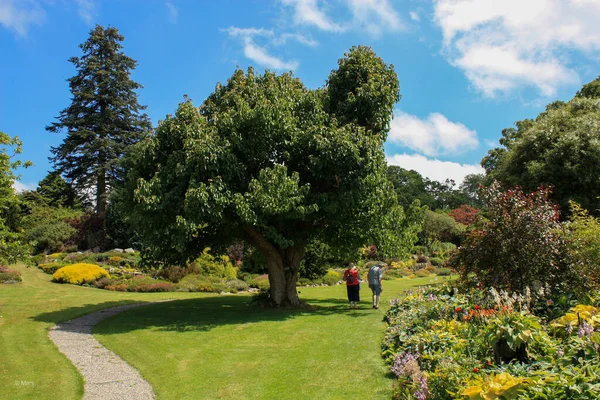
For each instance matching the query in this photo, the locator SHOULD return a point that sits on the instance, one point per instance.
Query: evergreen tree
(56, 192)
(104, 117)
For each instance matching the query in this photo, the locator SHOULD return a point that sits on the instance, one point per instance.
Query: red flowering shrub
(521, 244)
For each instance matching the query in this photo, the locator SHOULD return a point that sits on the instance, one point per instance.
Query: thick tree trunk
(101, 193)
(282, 266)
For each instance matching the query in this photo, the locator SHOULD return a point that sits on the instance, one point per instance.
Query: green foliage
(218, 267)
(47, 228)
(559, 148)
(51, 268)
(266, 160)
(440, 227)
(56, 192)
(104, 117)
(522, 244)
(332, 277)
(583, 234)
(12, 248)
(435, 261)
(444, 271)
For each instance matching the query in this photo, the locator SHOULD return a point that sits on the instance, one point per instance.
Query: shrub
(440, 227)
(430, 269)
(237, 285)
(444, 271)
(521, 245)
(261, 282)
(209, 265)
(115, 260)
(332, 277)
(200, 283)
(304, 282)
(51, 268)
(75, 257)
(422, 273)
(465, 214)
(8, 275)
(420, 250)
(78, 274)
(435, 261)
(584, 243)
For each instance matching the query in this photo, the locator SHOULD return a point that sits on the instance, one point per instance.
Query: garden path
(106, 375)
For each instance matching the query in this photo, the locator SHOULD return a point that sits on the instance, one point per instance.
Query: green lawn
(222, 348)
(31, 367)
(201, 346)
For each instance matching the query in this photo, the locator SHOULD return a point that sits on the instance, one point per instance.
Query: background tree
(12, 248)
(271, 162)
(560, 148)
(57, 192)
(104, 117)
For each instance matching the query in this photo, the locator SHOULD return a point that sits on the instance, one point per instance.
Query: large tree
(267, 160)
(12, 248)
(560, 148)
(104, 117)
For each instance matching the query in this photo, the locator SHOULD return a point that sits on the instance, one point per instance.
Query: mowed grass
(31, 367)
(223, 348)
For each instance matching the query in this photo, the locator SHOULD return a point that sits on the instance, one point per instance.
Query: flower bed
(8, 275)
(490, 345)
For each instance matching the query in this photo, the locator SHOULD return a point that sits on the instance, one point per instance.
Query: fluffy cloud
(19, 15)
(435, 169)
(504, 45)
(432, 136)
(372, 16)
(259, 53)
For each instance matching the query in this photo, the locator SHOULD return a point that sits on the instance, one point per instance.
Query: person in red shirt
(352, 285)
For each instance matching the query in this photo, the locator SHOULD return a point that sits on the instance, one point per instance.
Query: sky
(467, 68)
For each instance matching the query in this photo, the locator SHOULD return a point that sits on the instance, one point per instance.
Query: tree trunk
(101, 193)
(282, 266)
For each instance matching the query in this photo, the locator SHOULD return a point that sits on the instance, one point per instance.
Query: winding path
(106, 375)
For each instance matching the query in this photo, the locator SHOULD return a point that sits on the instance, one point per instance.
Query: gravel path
(106, 375)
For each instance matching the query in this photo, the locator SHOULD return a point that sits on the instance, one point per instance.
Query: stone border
(106, 375)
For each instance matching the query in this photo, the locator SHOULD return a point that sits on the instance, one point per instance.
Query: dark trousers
(353, 293)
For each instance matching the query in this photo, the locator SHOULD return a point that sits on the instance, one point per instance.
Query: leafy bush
(75, 257)
(332, 277)
(8, 275)
(444, 271)
(237, 285)
(521, 245)
(143, 284)
(584, 242)
(440, 227)
(78, 274)
(115, 260)
(422, 273)
(200, 283)
(430, 269)
(47, 228)
(260, 282)
(422, 259)
(209, 265)
(51, 268)
(465, 214)
(435, 261)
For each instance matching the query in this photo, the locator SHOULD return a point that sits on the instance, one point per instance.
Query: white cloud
(508, 44)
(435, 169)
(262, 57)
(375, 16)
(259, 53)
(415, 16)
(86, 10)
(21, 187)
(307, 12)
(173, 12)
(19, 15)
(431, 136)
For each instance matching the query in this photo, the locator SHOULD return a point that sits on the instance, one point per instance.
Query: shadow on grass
(201, 314)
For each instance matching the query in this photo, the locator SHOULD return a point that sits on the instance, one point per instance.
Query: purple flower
(423, 390)
(569, 329)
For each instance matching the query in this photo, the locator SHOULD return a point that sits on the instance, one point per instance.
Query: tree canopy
(269, 161)
(560, 148)
(104, 117)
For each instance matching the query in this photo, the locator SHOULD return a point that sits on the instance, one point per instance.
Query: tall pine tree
(104, 117)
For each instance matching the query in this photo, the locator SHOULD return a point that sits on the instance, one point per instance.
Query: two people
(352, 278)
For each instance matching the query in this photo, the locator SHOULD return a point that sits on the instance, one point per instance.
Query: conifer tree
(104, 117)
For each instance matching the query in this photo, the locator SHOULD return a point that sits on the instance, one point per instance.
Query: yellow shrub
(495, 386)
(56, 255)
(78, 274)
(115, 260)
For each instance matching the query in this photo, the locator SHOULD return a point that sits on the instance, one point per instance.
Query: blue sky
(467, 68)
